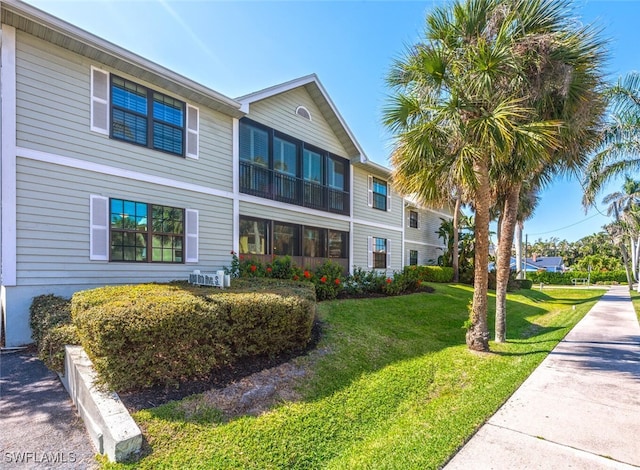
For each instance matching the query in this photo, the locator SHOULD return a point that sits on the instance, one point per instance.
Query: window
(413, 219)
(253, 236)
(380, 253)
(413, 257)
(145, 117)
(285, 239)
(276, 166)
(379, 196)
(338, 244)
(266, 237)
(312, 166)
(313, 242)
(142, 232)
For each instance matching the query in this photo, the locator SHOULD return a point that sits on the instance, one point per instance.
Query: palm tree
(562, 65)
(619, 152)
(455, 115)
(625, 207)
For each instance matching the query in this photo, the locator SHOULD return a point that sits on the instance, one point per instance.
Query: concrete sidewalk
(39, 426)
(579, 409)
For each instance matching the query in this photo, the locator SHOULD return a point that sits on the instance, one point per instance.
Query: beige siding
(53, 227)
(361, 209)
(360, 248)
(283, 214)
(278, 112)
(53, 112)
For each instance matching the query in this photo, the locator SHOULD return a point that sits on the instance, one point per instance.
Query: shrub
(605, 277)
(328, 280)
(282, 268)
(523, 283)
(363, 282)
(46, 312)
(139, 336)
(51, 346)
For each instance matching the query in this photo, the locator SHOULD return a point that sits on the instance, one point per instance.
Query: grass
(397, 388)
(635, 299)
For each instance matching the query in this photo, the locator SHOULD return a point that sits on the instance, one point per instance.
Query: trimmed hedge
(161, 334)
(441, 274)
(46, 312)
(602, 277)
(51, 329)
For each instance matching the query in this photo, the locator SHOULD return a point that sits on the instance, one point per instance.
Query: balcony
(263, 182)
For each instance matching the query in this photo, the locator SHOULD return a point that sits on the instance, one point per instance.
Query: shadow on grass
(366, 335)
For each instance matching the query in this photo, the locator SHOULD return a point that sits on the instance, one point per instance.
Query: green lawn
(396, 389)
(635, 298)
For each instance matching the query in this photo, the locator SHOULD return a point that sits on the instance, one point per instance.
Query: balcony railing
(263, 182)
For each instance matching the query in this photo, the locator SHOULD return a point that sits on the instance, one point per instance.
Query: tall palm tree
(619, 152)
(562, 74)
(455, 115)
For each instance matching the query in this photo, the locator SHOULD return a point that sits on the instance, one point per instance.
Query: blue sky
(243, 46)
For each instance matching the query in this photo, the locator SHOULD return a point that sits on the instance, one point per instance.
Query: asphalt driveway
(39, 426)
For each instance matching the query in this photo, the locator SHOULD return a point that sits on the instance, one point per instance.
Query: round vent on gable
(304, 112)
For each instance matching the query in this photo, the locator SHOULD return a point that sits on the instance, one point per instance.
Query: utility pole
(524, 261)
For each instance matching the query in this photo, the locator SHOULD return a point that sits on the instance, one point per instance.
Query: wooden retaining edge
(109, 424)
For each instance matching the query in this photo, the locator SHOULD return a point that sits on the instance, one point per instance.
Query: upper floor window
(276, 166)
(379, 197)
(413, 219)
(145, 117)
(142, 232)
(134, 113)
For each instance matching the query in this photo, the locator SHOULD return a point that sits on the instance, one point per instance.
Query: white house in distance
(116, 170)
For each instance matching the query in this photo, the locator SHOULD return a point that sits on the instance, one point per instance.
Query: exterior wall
(424, 239)
(360, 235)
(53, 115)
(292, 214)
(278, 112)
(361, 210)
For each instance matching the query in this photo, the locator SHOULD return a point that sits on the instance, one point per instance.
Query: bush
(139, 336)
(604, 277)
(363, 282)
(46, 312)
(51, 346)
(522, 283)
(328, 281)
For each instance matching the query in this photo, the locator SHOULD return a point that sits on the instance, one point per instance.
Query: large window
(142, 232)
(380, 253)
(276, 166)
(267, 237)
(145, 117)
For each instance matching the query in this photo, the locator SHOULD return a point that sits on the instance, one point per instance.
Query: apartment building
(116, 170)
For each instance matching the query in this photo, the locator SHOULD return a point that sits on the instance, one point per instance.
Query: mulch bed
(155, 396)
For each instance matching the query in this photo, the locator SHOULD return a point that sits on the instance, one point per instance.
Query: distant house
(553, 264)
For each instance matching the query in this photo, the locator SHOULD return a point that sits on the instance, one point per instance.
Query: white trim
(113, 171)
(388, 252)
(8, 159)
(370, 190)
(235, 154)
(369, 252)
(304, 110)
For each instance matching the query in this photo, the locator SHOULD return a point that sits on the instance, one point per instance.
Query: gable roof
(330, 113)
(546, 261)
(42, 25)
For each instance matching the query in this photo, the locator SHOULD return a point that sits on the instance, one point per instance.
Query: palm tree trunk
(503, 268)
(456, 240)
(478, 333)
